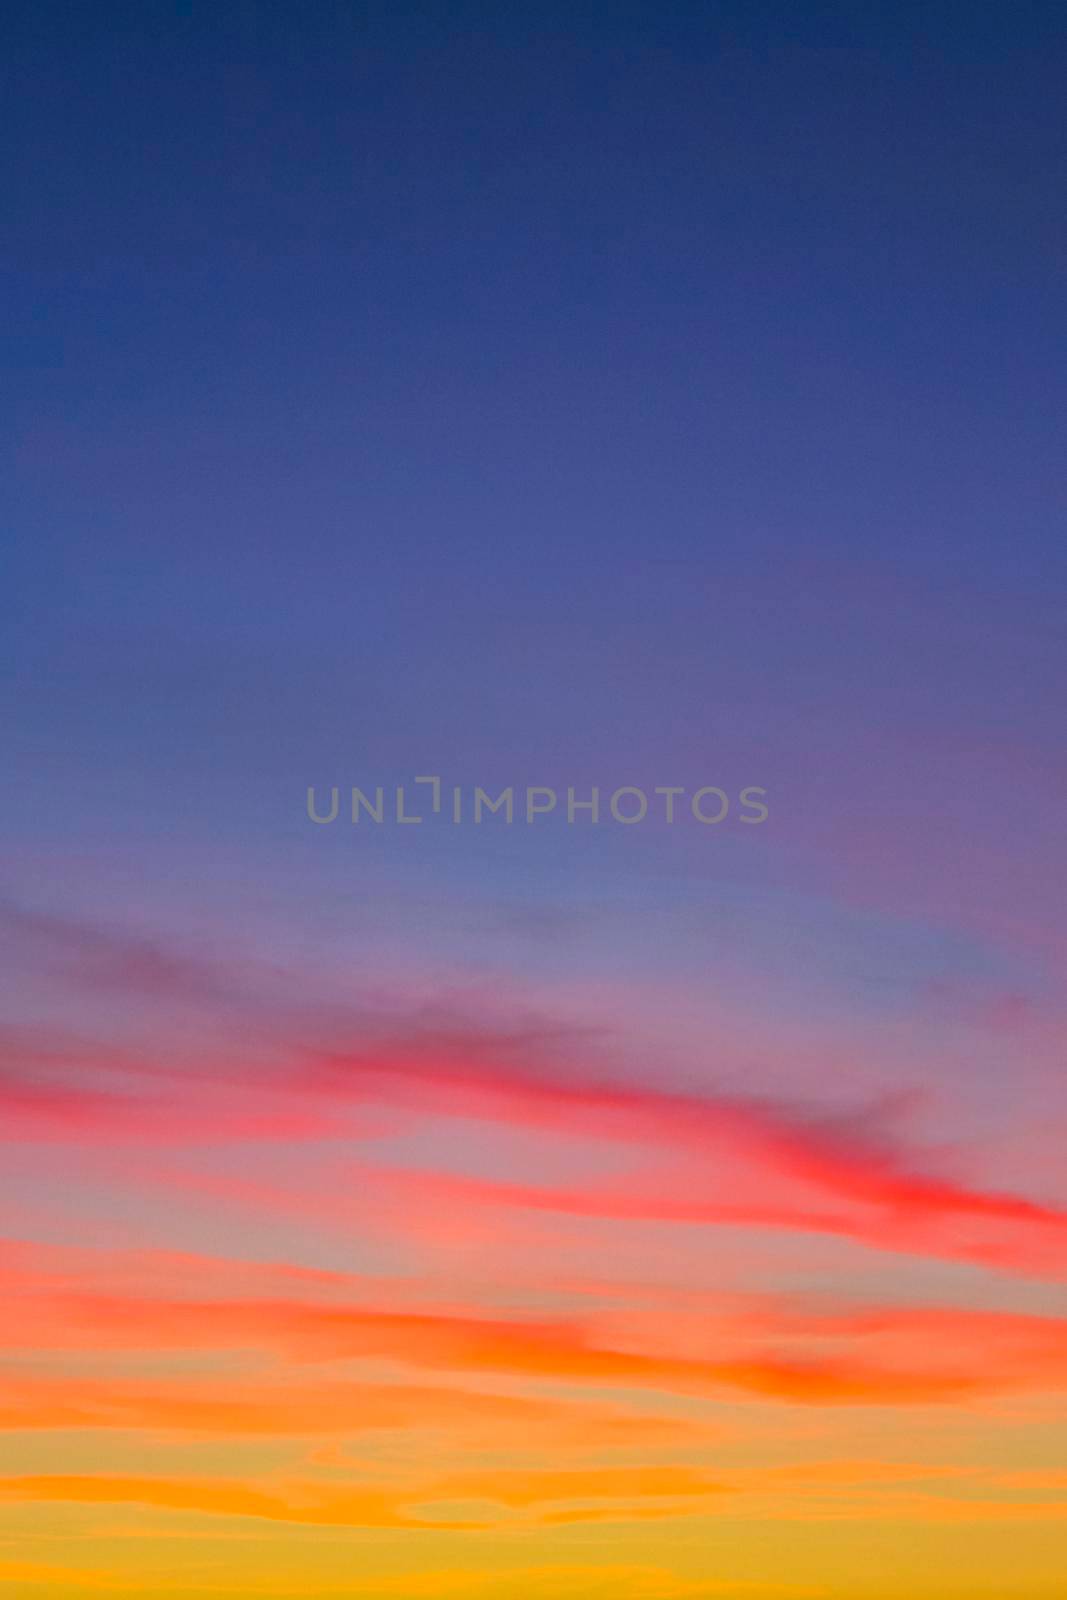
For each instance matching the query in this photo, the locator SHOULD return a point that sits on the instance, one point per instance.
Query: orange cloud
(778, 1349)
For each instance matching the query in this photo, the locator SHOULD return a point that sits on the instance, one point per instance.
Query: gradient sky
(534, 395)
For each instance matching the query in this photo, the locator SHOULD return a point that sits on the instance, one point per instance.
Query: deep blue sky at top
(395, 379)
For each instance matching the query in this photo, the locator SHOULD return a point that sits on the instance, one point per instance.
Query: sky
(657, 402)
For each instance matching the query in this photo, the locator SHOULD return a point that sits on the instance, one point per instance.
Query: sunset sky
(546, 397)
